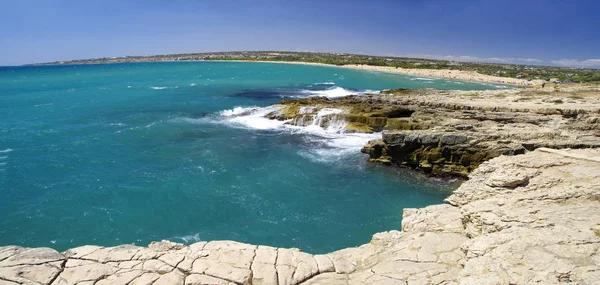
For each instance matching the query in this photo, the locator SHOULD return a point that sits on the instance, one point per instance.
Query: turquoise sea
(133, 153)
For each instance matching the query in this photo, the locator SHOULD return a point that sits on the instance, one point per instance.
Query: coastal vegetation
(525, 72)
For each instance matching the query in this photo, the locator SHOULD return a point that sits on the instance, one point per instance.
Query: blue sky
(553, 32)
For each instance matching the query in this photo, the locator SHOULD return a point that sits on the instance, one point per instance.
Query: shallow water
(133, 153)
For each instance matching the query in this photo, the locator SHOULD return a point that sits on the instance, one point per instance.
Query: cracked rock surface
(524, 219)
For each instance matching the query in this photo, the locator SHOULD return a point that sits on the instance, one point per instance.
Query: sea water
(133, 153)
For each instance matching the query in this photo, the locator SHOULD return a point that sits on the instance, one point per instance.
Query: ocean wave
(6, 150)
(335, 147)
(163, 87)
(497, 85)
(251, 117)
(254, 118)
(327, 144)
(3, 157)
(47, 104)
(196, 121)
(238, 111)
(324, 83)
(422, 79)
(189, 238)
(335, 92)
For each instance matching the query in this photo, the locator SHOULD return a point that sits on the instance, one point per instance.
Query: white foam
(422, 79)
(6, 150)
(162, 87)
(48, 104)
(190, 238)
(329, 111)
(328, 144)
(153, 123)
(305, 110)
(252, 118)
(198, 121)
(237, 111)
(334, 92)
(337, 146)
(325, 83)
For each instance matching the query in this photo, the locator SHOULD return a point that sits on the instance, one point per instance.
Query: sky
(544, 32)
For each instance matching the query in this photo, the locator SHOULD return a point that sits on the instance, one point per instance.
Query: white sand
(433, 73)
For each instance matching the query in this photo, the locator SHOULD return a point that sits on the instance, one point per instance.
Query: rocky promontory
(449, 133)
(529, 212)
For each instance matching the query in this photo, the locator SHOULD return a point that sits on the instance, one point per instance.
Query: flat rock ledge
(524, 219)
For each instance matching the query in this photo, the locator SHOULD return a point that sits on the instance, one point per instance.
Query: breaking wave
(423, 79)
(162, 87)
(325, 134)
(335, 92)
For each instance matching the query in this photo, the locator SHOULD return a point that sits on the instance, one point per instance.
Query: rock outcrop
(449, 133)
(523, 219)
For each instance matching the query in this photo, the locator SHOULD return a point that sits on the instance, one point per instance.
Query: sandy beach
(449, 74)
(431, 73)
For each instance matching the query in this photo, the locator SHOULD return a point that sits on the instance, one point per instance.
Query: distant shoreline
(460, 75)
(429, 73)
(482, 72)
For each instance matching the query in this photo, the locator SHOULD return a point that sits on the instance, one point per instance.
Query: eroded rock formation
(452, 132)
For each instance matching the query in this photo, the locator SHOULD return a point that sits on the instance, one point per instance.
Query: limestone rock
(165, 245)
(442, 133)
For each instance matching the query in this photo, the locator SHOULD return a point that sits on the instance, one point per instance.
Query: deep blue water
(133, 153)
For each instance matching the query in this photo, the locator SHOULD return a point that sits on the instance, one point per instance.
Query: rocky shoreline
(449, 133)
(529, 213)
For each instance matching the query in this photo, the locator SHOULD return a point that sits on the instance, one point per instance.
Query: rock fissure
(89, 253)
(9, 280)
(32, 264)
(61, 269)
(253, 257)
(275, 266)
